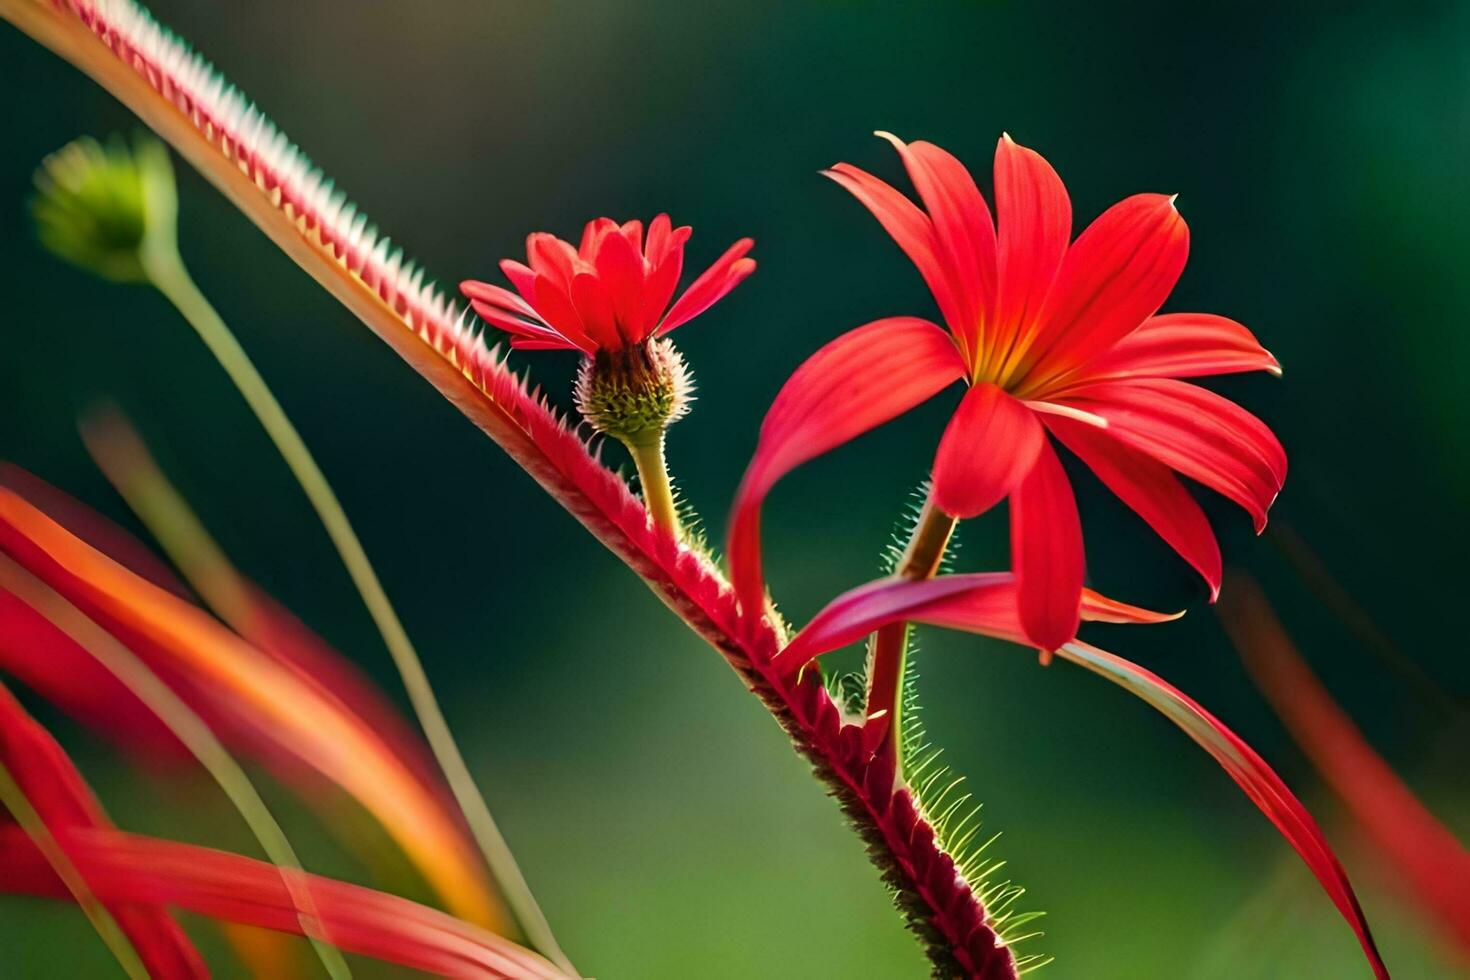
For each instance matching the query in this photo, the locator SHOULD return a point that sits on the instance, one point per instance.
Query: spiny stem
(647, 450)
(169, 276)
(888, 648)
(196, 736)
(14, 799)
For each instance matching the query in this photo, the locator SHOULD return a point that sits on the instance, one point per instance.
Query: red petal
(659, 288)
(63, 801)
(1034, 224)
(1046, 548)
(860, 611)
(855, 383)
(1250, 772)
(522, 277)
(963, 229)
(633, 233)
(1183, 345)
(988, 447)
(658, 239)
(595, 308)
(518, 328)
(552, 258)
(911, 228)
(727, 272)
(1153, 492)
(133, 869)
(554, 303)
(1197, 432)
(620, 270)
(1419, 849)
(984, 603)
(1119, 271)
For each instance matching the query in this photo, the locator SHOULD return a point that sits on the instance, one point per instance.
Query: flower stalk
(888, 648)
(647, 450)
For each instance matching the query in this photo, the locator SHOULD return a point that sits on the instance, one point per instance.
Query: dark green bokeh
(1321, 153)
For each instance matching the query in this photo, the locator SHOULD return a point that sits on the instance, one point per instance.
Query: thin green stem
(888, 648)
(169, 276)
(653, 477)
(14, 799)
(196, 736)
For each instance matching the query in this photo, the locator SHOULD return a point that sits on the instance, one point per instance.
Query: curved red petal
(1046, 549)
(984, 603)
(1183, 345)
(858, 612)
(1151, 490)
(554, 303)
(521, 276)
(855, 383)
(1033, 227)
(61, 798)
(1115, 276)
(727, 273)
(1198, 433)
(963, 229)
(988, 448)
(911, 228)
(1250, 772)
(553, 258)
(149, 872)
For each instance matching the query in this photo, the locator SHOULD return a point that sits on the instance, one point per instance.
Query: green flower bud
(634, 393)
(108, 209)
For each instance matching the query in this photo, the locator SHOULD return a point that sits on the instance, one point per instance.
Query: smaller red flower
(612, 291)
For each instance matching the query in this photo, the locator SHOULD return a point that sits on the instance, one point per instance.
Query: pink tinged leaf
(1183, 345)
(855, 383)
(912, 229)
(1265, 789)
(983, 603)
(963, 230)
(988, 448)
(716, 281)
(1033, 226)
(1115, 276)
(1046, 548)
(1151, 490)
(150, 873)
(1420, 851)
(63, 801)
(1196, 432)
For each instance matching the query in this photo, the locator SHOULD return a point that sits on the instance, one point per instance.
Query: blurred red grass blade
(1425, 858)
(1250, 772)
(256, 693)
(125, 459)
(64, 803)
(129, 868)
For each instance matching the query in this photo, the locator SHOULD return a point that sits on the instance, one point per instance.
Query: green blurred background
(1322, 156)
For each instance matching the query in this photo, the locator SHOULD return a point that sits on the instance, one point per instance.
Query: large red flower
(610, 292)
(1052, 338)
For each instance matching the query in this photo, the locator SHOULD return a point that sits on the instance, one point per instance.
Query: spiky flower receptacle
(108, 209)
(634, 393)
